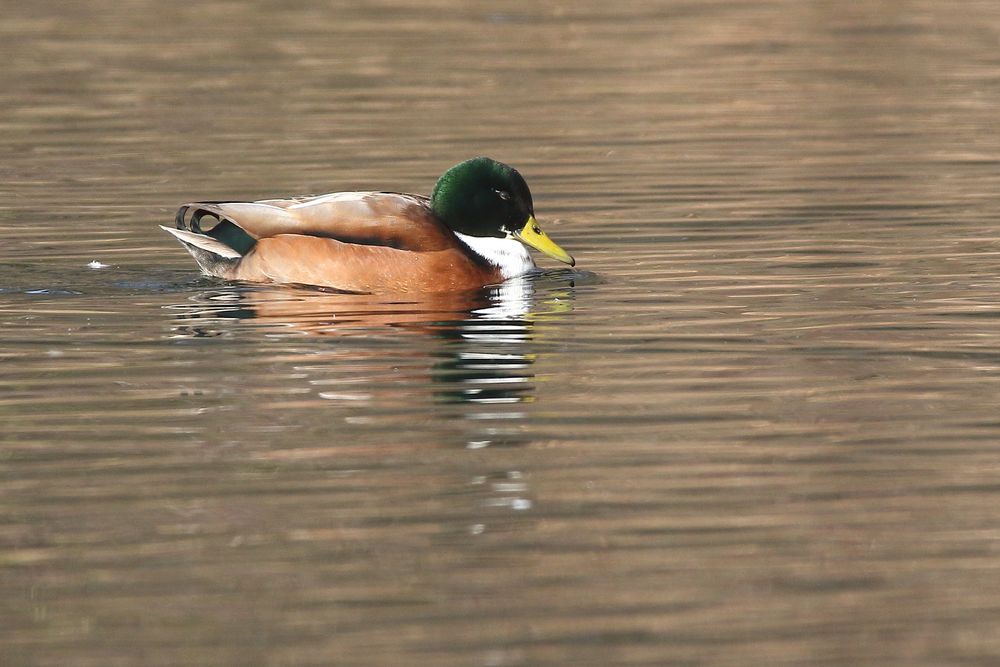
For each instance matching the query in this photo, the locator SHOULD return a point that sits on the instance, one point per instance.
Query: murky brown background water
(758, 425)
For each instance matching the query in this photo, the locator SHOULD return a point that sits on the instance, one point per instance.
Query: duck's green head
(485, 198)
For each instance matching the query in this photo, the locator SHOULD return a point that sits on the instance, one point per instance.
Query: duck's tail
(219, 250)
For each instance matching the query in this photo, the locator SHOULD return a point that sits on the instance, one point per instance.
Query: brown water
(757, 425)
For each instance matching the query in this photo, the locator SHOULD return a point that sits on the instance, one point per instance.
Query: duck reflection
(471, 351)
(487, 360)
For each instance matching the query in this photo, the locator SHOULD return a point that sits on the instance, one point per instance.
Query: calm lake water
(757, 425)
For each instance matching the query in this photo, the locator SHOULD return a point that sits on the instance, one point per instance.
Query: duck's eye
(503, 194)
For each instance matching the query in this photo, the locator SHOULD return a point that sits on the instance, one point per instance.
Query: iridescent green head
(485, 198)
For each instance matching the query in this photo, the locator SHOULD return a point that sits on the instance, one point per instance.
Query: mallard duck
(471, 232)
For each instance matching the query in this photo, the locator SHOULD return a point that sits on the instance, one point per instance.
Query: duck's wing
(388, 219)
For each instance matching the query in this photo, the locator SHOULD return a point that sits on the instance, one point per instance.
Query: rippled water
(756, 425)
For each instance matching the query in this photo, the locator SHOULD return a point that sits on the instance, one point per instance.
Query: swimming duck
(471, 232)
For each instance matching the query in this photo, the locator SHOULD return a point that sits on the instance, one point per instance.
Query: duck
(473, 231)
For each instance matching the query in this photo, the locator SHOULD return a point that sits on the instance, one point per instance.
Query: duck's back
(387, 219)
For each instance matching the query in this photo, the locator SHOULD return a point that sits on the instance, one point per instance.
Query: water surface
(756, 425)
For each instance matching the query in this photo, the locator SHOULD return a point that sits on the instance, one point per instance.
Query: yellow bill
(531, 234)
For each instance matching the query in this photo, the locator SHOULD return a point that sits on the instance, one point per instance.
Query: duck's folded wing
(386, 219)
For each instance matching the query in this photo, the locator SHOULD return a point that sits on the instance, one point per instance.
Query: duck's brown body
(311, 260)
(353, 241)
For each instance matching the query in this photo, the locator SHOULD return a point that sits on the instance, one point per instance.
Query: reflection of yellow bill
(531, 234)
